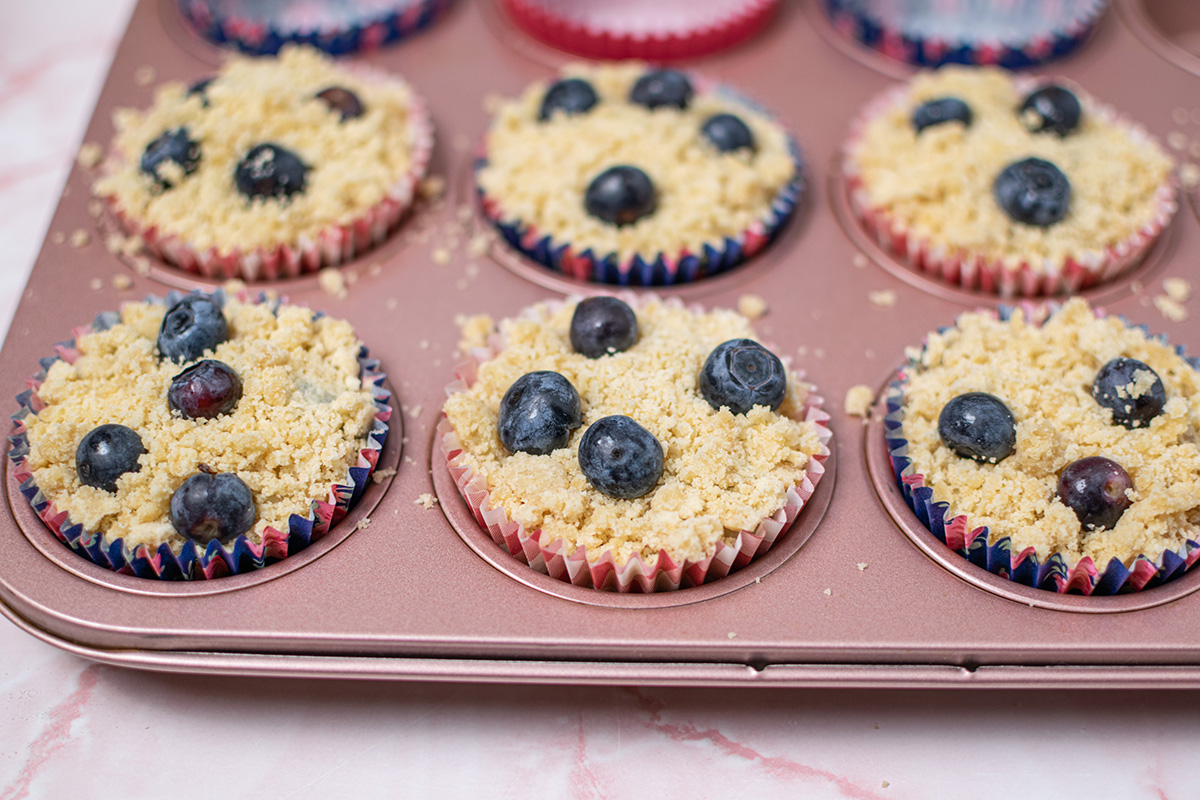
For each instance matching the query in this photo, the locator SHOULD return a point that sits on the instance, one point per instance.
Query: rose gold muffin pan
(857, 594)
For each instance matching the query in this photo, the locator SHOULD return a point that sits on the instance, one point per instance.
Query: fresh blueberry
(728, 133)
(621, 195)
(173, 146)
(212, 506)
(205, 390)
(105, 454)
(569, 96)
(269, 170)
(1053, 108)
(663, 87)
(1114, 387)
(940, 111)
(200, 89)
(603, 325)
(1033, 191)
(620, 457)
(343, 101)
(1094, 488)
(538, 413)
(740, 374)
(191, 328)
(978, 426)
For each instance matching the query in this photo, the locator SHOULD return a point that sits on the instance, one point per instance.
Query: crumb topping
(1044, 375)
(722, 473)
(939, 183)
(539, 171)
(353, 165)
(298, 427)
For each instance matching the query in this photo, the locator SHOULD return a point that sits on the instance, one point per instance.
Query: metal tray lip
(883, 481)
(1137, 21)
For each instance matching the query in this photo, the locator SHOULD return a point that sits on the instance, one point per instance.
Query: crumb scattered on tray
(144, 75)
(141, 265)
(80, 238)
(95, 209)
(381, 475)
(1177, 140)
(432, 188)
(423, 344)
(96, 284)
(426, 501)
(233, 286)
(441, 256)
(362, 523)
(415, 411)
(1170, 309)
(828, 592)
(752, 306)
(332, 282)
(862, 565)
(732, 635)
(819, 352)
(1189, 176)
(58, 237)
(885, 784)
(859, 400)
(478, 244)
(1178, 289)
(883, 297)
(859, 260)
(122, 282)
(89, 155)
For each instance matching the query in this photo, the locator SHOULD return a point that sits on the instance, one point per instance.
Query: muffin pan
(855, 595)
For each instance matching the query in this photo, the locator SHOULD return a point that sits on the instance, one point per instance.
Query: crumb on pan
(859, 400)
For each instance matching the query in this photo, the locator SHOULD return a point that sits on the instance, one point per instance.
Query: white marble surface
(69, 728)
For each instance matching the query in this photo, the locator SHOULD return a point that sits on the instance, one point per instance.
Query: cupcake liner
(909, 32)
(662, 269)
(959, 267)
(663, 30)
(195, 562)
(1056, 573)
(663, 573)
(338, 28)
(330, 246)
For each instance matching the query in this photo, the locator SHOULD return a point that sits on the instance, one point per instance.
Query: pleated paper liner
(962, 268)
(600, 570)
(339, 27)
(195, 562)
(1055, 573)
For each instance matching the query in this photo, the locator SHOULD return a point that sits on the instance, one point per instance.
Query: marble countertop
(71, 728)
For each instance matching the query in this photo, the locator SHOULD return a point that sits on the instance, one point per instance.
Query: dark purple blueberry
(538, 413)
(978, 426)
(191, 328)
(663, 87)
(200, 89)
(620, 458)
(205, 390)
(728, 133)
(174, 146)
(740, 374)
(1033, 191)
(269, 170)
(1094, 488)
(603, 325)
(1053, 108)
(569, 96)
(621, 195)
(1114, 387)
(343, 101)
(212, 506)
(105, 454)
(940, 111)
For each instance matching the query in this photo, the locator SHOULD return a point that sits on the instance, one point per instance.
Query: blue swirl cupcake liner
(195, 562)
(1055, 573)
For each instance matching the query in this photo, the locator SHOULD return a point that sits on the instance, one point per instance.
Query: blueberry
(978, 426)
(191, 327)
(728, 133)
(603, 325)
(205, 390)
(538, 413)
(200, 89)
(740, 374)
(1053, 108)
(1114, 386)
(1094, 488)
(940, 111)
(343, 101)
(1033, 191)
(621, 195)
(105, 454)
(269, 170)
(212, 506)
(173, 146)
(569, 96)
(663, 87)
(620, 458)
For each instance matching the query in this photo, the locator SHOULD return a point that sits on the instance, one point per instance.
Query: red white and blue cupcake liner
(600, 570)
(340, 28)
(326, 247)
(962, 268)
(659, 269)
(1055, 573)
(195, 562)
(902, 31)
(656, 31)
